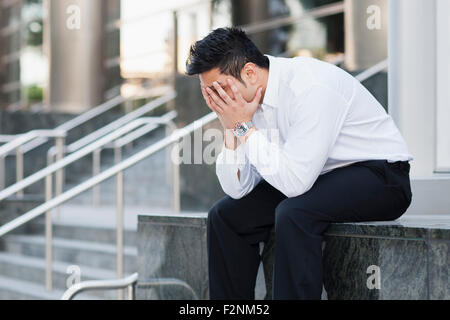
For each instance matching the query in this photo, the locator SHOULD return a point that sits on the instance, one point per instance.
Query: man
(337, 157)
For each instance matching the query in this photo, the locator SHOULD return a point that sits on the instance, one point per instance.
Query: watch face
(241, 129)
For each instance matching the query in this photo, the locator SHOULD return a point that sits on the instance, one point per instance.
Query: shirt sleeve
(227, 165)
(293, 167)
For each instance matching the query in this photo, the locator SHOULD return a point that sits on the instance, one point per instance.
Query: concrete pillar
(412, 78)
(443, 86)
(248, 12)
(366, 30)
(75, 55)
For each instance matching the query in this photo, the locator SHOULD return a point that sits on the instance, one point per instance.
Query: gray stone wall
(412, 255)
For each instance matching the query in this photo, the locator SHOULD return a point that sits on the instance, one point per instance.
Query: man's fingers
(204, 94)
(210, 103)
(207, 99)
(236, 92)
(218, 109)
(215, 98)
(225, 97)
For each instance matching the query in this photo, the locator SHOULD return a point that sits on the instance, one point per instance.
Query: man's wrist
(242, 127)
(244, 139)
(231, 142)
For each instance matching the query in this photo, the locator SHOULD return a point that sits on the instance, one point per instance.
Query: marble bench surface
(411, 252)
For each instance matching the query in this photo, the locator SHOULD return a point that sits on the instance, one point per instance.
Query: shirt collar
(271, 94)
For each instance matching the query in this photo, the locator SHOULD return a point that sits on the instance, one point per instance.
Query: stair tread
(34, 290)
(58, 266)
(72, 244)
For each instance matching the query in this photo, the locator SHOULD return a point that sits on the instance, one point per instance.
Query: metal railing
(52, 153)
(319, 12)
(5, 138)
(92, 143)
(31, 144)
(47, 174)
(17, 145)
(90, 148)
(369, 73)
(116, 170)
(130, 283)
(48, 171)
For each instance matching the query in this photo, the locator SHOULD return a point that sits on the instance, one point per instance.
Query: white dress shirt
(315, 117)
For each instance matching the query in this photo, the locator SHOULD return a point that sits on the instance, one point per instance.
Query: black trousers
(374, 190)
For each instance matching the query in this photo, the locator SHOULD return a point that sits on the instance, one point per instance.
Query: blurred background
(121, 46)
(86, 69)
(63, 58)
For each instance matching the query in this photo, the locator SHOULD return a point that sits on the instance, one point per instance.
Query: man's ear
(249, 73)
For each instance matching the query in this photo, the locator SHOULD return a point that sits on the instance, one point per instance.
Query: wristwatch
(241, 128)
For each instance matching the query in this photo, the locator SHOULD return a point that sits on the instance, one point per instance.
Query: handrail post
(2, 173)
(175, 166)
(59, 143)
(176, 184)
(117, 154)
(175, 45)
(175, 172)
(19, 168)
(119, 231)
(129, 109)
(131, 289)
(48, 235)
(170, 128)
(95, 171)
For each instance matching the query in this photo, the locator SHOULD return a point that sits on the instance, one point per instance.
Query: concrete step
(77, 252)
(13, 289)
(84, 232)
(32, 270)
(135, 193)
(147, 191)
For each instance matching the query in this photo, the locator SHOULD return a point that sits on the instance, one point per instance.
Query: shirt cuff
(255, 141)
(234, 157)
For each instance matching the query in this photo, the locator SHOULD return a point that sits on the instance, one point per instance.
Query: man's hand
(233, 109)
(231, 142)
(208, 100)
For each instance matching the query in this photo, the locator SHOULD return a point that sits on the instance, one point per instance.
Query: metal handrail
(148, 107)
(53, 155)
(26, 137)
(34, 213)
(167, 282)
(118, 144)
(81, 119)
(369, 73)
(128, 282)
(26, 145)
(17, 145)
(90, 183)
(74, 156)
(47, 173)
(4, 138)
(319, 12)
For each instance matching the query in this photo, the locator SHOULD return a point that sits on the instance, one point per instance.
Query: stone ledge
(412, 254)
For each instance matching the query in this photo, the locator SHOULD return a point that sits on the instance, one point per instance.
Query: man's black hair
(228, 49)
